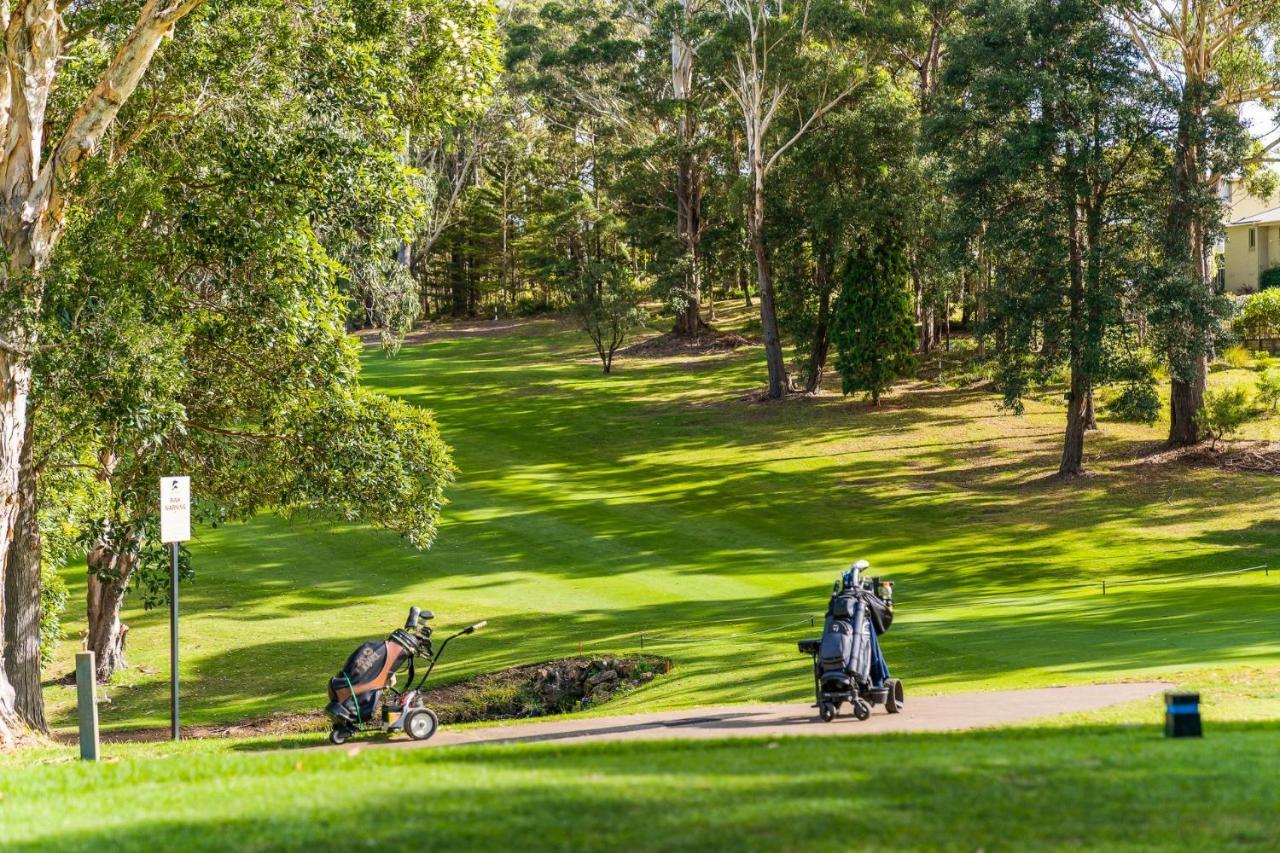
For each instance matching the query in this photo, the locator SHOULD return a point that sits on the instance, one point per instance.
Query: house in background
(1252, 242)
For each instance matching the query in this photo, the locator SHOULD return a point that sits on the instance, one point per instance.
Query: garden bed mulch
(1257, 457)
(706, 342)
(534, 690)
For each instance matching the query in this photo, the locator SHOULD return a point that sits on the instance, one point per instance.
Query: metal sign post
(175, 527)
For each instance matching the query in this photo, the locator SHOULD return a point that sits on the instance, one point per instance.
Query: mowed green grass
(663, 502)
(1082, 786)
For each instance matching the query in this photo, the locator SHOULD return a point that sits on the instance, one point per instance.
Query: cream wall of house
(1241, 261)
(1241, 205)
(1272, 258)
(1244, 265)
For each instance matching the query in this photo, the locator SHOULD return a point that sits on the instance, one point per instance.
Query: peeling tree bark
(759, 96)
(822, 329)
(1199, 37)
(33, 196)
(1081, 391)
(22, 609)
(779, 381)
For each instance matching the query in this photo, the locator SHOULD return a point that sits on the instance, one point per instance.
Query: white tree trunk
(32, 200)
(688, 188)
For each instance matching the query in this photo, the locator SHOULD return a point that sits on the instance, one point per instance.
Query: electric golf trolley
(847, 663)
(363, 695)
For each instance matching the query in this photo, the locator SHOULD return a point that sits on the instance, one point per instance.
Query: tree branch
(83, 134)
(804, 128)
(24, 351)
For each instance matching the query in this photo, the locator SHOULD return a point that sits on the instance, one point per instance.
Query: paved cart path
(927, 714)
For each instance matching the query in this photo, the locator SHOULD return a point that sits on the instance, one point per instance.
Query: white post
(175, 527)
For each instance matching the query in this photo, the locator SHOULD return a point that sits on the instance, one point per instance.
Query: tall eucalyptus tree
(1211, 57)
(802, 57)
(42, 155)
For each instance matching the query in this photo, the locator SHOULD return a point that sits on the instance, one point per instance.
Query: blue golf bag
(848, 665)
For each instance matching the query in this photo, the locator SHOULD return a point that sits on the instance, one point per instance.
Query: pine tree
(872, 326)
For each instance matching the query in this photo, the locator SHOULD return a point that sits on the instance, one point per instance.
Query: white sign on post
(175, 509)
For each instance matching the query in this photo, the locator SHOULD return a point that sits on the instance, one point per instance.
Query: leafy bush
(1236, 357)
(1258, 315)
(53, 600)
(529, 306)
(1269, 279)
(1225, 411)
(871, 324)
(1137, 403)
(1269, 389)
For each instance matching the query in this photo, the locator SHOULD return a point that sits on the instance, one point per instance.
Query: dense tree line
(1047, 170)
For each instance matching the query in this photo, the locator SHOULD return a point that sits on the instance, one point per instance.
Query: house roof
(1266, 217)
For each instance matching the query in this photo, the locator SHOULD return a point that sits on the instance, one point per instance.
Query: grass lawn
(660, 502)
(1079, 785)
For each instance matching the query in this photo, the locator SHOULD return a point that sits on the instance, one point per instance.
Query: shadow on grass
(592, 507)
(1079, 637)
(1090, 786)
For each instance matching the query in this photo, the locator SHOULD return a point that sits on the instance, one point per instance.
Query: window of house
(1253, 237)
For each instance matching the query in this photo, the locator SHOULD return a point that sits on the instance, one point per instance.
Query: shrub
(53, 600)
(1236, 357)
(871, 323)
(529, 306)
(607, 301)
(1137, 403)
(1225, 411)
(1258, 315)
(1269, 279)
(1269, 389)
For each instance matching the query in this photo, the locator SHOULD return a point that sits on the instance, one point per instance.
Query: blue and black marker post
(1182, 715)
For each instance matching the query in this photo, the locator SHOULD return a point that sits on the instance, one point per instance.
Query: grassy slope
(657, 500)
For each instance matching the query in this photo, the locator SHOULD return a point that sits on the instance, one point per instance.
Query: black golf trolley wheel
(421, 723)
(861, 710)
(895, 702)
(827, 712)
(338, 737)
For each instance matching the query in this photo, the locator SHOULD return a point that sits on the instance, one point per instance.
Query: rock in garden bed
(538, 690)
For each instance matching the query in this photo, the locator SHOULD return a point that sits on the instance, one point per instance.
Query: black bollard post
(1182, 715)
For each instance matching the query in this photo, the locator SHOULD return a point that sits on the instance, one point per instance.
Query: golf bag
(848, 640)
(354, 692)
(847, 663)
(364, 696)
